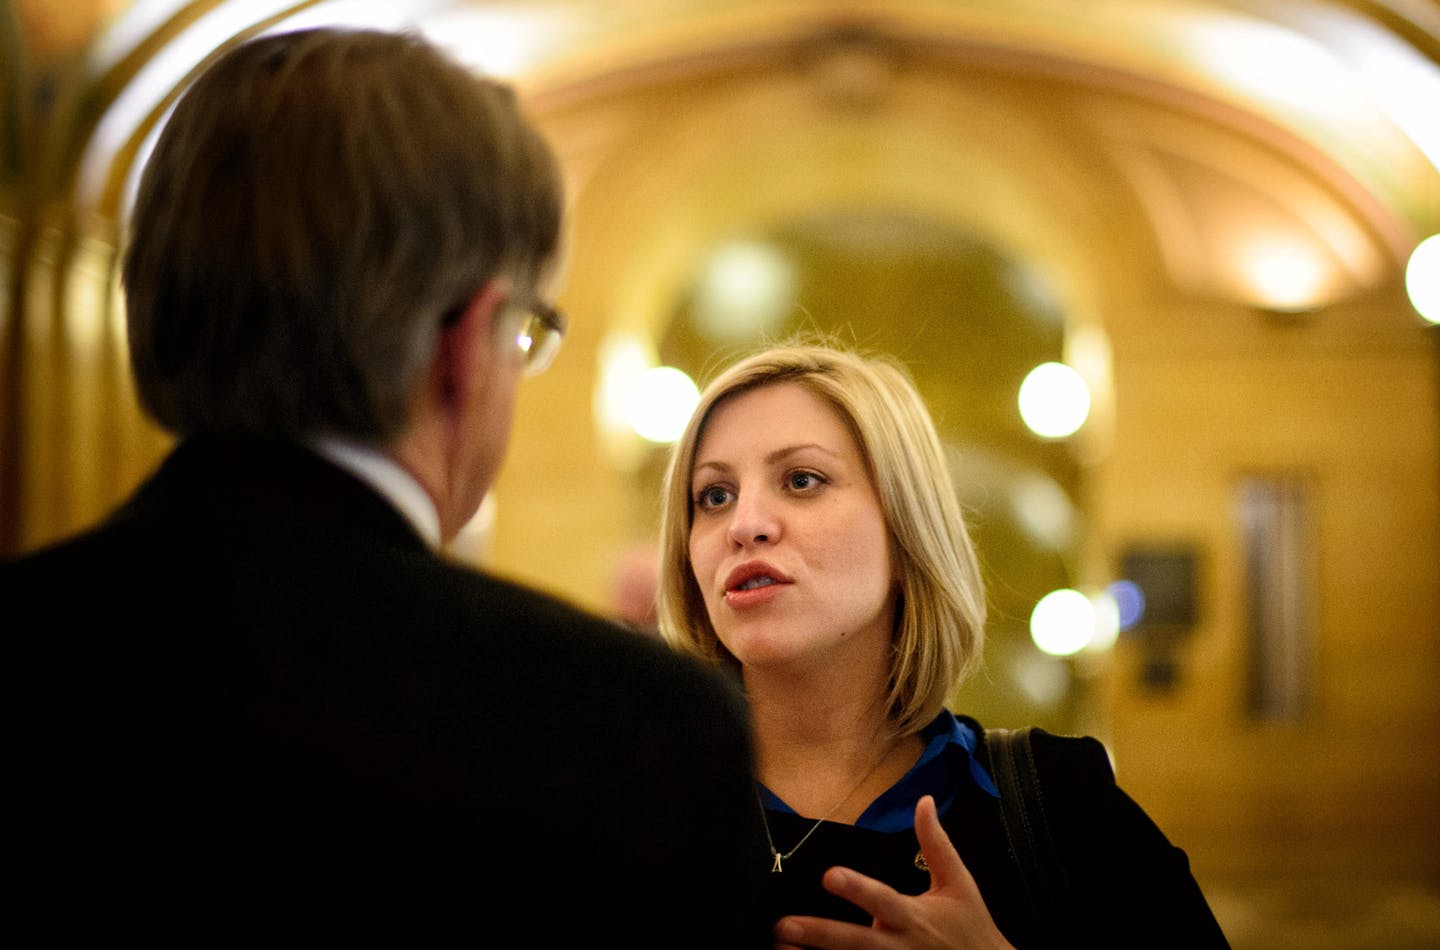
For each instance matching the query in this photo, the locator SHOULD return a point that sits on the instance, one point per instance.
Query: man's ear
(467, 341)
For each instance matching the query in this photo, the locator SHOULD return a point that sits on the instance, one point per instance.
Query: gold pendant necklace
(779, 859)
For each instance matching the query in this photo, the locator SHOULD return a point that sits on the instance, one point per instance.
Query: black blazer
(253, 709)
(1125, 885)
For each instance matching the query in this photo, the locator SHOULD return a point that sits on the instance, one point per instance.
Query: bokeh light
(1107, 622)
(660, 404)
(1422, 278)
(1284, 276)
(1063, 622)
(1054, 400)
(1129, 602)
(746, 291)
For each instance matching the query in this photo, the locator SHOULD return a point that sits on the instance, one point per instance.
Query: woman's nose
(753, 522)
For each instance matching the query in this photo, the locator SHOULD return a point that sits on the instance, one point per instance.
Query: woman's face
(788, 543)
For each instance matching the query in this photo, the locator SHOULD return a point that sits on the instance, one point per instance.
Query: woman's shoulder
(1103, 843)
(1058, 758)
(1075, 754)
(1070, 781)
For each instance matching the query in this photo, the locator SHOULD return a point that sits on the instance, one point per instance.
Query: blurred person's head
(335, 226)
(939, 598)
(633, 587)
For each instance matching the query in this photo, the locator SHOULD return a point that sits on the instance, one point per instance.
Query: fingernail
(788, 931)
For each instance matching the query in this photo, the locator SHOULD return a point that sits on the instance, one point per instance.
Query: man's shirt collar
(385, 475)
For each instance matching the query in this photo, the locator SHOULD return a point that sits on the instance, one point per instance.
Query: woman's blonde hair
(939, 629)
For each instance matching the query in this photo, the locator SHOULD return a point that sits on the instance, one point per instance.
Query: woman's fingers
(947, 870)
(882, 902)
(950, 915)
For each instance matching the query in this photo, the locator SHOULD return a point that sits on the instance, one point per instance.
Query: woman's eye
(712, 497)
(803, 481)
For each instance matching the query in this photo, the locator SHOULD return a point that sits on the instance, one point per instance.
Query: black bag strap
(1022, 809)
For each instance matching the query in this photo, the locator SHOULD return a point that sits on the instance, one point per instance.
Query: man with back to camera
(257, 707)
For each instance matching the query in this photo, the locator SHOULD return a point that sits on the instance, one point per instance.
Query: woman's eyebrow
(782, 453)
(778, 455)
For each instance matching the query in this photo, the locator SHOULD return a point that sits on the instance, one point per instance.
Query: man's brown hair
(316, 204)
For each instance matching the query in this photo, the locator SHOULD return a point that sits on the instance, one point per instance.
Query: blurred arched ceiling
(1298, 135)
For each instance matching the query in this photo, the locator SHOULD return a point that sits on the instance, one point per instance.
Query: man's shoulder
(549, 627)
(75, 567)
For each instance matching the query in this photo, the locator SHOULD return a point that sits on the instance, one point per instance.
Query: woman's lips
(754, 596)
(753, 583)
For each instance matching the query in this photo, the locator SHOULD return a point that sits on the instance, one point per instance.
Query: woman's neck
(816, 745)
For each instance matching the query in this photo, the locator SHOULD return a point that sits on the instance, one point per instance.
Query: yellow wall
(1346, 400)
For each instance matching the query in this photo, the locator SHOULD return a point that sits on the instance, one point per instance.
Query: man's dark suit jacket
(253, 709)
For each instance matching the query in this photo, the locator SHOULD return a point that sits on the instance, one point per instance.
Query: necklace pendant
(776, 868)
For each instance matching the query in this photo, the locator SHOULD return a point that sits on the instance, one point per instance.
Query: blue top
(949, 755)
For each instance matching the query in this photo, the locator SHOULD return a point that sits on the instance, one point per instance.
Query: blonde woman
(812, 545)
